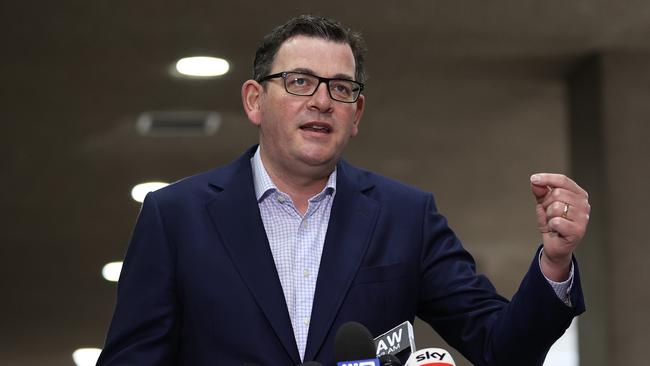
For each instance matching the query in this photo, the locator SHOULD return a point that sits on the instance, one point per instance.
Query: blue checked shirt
(297, 244)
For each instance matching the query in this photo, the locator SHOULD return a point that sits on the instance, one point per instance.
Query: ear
(251, 94)
(361, 104)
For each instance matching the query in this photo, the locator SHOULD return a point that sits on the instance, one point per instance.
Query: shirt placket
(304, 273)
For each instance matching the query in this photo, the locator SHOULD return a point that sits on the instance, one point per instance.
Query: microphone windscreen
(389, 360)
(353, 342)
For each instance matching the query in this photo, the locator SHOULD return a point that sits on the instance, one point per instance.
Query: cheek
(280, 113)
(275, 125)
(352, 128)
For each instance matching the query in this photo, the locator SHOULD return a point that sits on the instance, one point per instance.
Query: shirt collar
(265, 186)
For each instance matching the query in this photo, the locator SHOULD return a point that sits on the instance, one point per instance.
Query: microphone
(389, 360)
(431, 357)
(354, 346)
(308, 363)
(399, 341)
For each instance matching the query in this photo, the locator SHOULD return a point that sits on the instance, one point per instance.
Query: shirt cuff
(562, 289)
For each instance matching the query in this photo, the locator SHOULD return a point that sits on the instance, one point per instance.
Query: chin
(319, 159)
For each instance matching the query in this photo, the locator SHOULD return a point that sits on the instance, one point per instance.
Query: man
(262, 260)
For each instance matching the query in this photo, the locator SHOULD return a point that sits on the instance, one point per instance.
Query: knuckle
(555, 222)
(556, 193)
(549, 211)
(565, 180)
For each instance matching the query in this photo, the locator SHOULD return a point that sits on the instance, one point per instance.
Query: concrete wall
(627, 160)
(610, 153)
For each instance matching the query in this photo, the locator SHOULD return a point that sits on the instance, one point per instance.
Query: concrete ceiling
(75, 75)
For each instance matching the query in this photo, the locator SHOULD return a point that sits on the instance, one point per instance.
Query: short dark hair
(311, 26)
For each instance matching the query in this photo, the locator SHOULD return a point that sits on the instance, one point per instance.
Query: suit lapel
(236, 216)
(352, 221)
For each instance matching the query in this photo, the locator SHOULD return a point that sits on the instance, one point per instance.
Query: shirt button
(306, 322)
(281, 199)
(306, 273)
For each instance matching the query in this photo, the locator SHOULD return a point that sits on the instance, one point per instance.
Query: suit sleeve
(465, 309)
(144, 328)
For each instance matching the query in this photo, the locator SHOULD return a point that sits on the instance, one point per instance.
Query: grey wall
(610, 154)
(627, 131)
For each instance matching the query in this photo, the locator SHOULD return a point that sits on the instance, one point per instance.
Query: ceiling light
(202, 66)
(140, 191)
(111, 271)
(178, 123)
(86, 356)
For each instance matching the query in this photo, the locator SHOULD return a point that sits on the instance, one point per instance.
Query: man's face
(299, 132)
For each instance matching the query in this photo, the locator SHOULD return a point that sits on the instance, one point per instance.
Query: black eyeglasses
(300, 83)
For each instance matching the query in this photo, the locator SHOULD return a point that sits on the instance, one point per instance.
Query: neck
(299, 184)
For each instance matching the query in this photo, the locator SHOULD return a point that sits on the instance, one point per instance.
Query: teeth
(317, 128)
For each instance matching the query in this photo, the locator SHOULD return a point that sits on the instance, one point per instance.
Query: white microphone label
(368, 362)
(431, 357)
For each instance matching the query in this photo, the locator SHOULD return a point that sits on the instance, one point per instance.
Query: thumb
(539, 191)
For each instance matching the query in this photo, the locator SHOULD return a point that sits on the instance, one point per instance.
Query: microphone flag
(396, 340)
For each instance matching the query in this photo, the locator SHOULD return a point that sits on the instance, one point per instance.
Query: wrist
(555, 268)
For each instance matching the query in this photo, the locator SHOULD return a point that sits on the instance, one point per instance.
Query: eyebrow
(310, 71)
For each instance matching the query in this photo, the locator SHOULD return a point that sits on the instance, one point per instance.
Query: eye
(341, 87)
(299, 81)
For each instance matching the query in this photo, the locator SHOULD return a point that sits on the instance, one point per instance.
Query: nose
(321, 99)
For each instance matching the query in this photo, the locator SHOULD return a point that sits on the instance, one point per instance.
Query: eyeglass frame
(284, 74)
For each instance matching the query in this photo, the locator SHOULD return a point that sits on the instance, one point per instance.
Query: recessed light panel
(86, 356)
(202, 66)
(111, 271)
(140, 191)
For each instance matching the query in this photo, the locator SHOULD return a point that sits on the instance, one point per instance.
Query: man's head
(304, 98)
(310, 26)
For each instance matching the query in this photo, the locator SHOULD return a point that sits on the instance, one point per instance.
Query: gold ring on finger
(565, 213)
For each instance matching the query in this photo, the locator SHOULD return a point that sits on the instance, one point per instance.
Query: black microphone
(389, 360)
(308, 363)
(353, 342)
(354, 346)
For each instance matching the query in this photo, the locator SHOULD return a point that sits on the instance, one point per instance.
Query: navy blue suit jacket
(199, 285)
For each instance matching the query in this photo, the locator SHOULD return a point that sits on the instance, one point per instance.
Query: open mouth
(316, 127)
